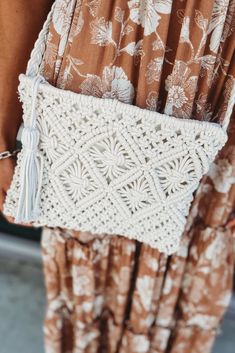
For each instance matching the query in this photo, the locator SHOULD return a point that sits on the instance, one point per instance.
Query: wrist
(8, 141)
(8, 154)
(7, 144)
(9, 126)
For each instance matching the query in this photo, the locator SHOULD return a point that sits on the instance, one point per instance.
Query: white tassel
(31, 166)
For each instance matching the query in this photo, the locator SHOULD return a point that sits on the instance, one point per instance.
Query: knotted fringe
(31, 166)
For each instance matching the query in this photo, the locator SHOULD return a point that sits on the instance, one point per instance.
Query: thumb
(2, 199)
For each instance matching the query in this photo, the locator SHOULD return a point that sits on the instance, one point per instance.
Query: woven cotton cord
(31, 166)
(36, 56)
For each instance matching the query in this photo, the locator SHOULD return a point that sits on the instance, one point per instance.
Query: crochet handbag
(100, 165)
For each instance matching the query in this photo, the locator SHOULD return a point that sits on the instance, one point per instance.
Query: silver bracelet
(7, 154)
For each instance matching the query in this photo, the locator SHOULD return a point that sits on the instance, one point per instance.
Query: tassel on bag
(31, 165)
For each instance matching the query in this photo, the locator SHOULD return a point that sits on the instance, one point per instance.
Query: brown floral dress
(115, 295)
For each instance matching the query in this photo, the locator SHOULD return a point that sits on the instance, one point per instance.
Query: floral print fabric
(161, 55)
(108, 293)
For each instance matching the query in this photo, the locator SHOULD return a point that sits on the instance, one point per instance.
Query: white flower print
(79, 254)
(61, 20)
(152, 101)
(121, 87)
(76, 27)
(152, 263)
(62, 15)
(148, 320)
(215, 253)
(132, 49)
(217, 23)
(98, 304)
(168, 285)
(225, 299)
(82, 280)
(93, 6)
(208, 61)
(87, 306)
(154, 70)
(164, 6)
(139, 52)
(111, 157)
(129, 249)
(201, 21)
(140, 343)
(146, 13)
(223, 175)
(51, 52)
(206, 322)
(73, 63)
(113, 84)
(83, 341)
(101, 32)
(197, 289)
(65, 77)
(161, 339)
(184, 34)
(122, 279)
(49, 238)
(157, 44)
(203, 107)
(144, 286)
(181, 89)
(119, 14)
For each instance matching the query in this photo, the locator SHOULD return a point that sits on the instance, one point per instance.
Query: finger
(2, 200)
(12, 220)
(26, 224)
(2, 197)
(9, 218)
(6, 172)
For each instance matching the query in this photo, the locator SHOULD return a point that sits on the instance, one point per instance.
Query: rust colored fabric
(107, 293)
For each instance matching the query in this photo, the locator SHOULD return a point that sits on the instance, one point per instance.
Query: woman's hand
(7, 167)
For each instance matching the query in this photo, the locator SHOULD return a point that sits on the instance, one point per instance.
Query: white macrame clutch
(103, 166)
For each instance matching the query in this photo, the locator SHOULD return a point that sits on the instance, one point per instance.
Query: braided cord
(34, 63)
